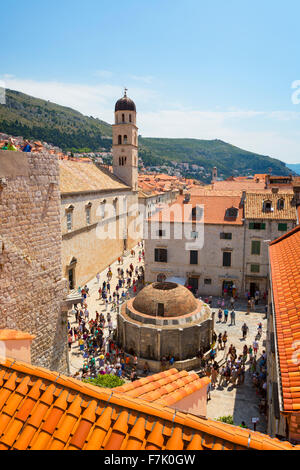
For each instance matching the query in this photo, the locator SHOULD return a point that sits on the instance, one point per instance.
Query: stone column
(180, 330)
(123, 333)
(138, 343)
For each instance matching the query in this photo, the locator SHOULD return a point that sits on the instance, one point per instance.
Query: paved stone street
(94, 304)
(239, 401)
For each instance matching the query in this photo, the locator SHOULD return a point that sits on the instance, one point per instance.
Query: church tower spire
(125, 142)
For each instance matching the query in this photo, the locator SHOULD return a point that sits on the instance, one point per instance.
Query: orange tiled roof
(241, 185)
(285, 269)
(215, 207)
(254, 206)
(6, 335)
(43, 410)
(164, 388)
(79, 177)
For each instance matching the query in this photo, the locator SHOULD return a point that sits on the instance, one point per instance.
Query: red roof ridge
(286, 235)
(58, 412)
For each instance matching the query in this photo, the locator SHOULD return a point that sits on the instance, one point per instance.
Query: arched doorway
(227, 287)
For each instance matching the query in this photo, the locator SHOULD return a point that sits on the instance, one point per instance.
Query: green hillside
(210, 153)
(34, 118)
(58, 125)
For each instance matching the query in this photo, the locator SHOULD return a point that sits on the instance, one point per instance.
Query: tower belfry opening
(125, 142)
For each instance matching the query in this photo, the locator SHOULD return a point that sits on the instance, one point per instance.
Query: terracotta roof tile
(285, 270)
(254, 206)
(42, 410)
(82, 177)
(215, 207)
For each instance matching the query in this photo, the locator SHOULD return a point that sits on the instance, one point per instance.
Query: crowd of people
(25, 146)
(231, 369)
(93, 338)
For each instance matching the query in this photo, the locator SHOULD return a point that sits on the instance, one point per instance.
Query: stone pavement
(241, 401)
(94, 304)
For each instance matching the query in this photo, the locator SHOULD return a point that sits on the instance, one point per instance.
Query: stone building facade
(268, 215)
(165, 319)
(207, 256)
(98, 219)
(31, 283)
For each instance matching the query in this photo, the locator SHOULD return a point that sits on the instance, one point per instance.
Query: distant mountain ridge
(294, 167)
(34, 118)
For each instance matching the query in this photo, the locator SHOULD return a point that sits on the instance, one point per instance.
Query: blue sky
(201, 69)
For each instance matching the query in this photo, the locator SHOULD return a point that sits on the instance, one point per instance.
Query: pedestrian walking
(245, 330)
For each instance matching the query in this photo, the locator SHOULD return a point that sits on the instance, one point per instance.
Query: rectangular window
(227, 258)
(69, 220)
(255, 247)
(282, 227)
(207, 281)
(226, 236)
(257, 226)
(193, 257)
(161, 233)
(194, 235)
(88, 215)
(255, 268)
(161, 255)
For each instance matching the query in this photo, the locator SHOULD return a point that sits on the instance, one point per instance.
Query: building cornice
(93, 192)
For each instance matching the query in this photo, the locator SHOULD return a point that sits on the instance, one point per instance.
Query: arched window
(123, 117)
(231, 213)
(119, 139)
(125, 160)
(125, 139)
(129, 117)
(267, 206)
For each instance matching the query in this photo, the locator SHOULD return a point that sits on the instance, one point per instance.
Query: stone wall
(32, 289)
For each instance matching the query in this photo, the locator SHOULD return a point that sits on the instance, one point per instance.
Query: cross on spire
(125, 91)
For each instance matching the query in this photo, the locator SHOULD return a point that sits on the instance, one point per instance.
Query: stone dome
(165, 299)
(125, 104)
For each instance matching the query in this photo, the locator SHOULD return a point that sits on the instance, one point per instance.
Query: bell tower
(125, 142)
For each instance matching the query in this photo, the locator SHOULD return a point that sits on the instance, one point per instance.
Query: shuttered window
(161, 255)
(193, 257)
(255, 247)
(226, 258)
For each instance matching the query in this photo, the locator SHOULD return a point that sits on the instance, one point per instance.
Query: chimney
(16, 345)
(296, 198)
(243, 199)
